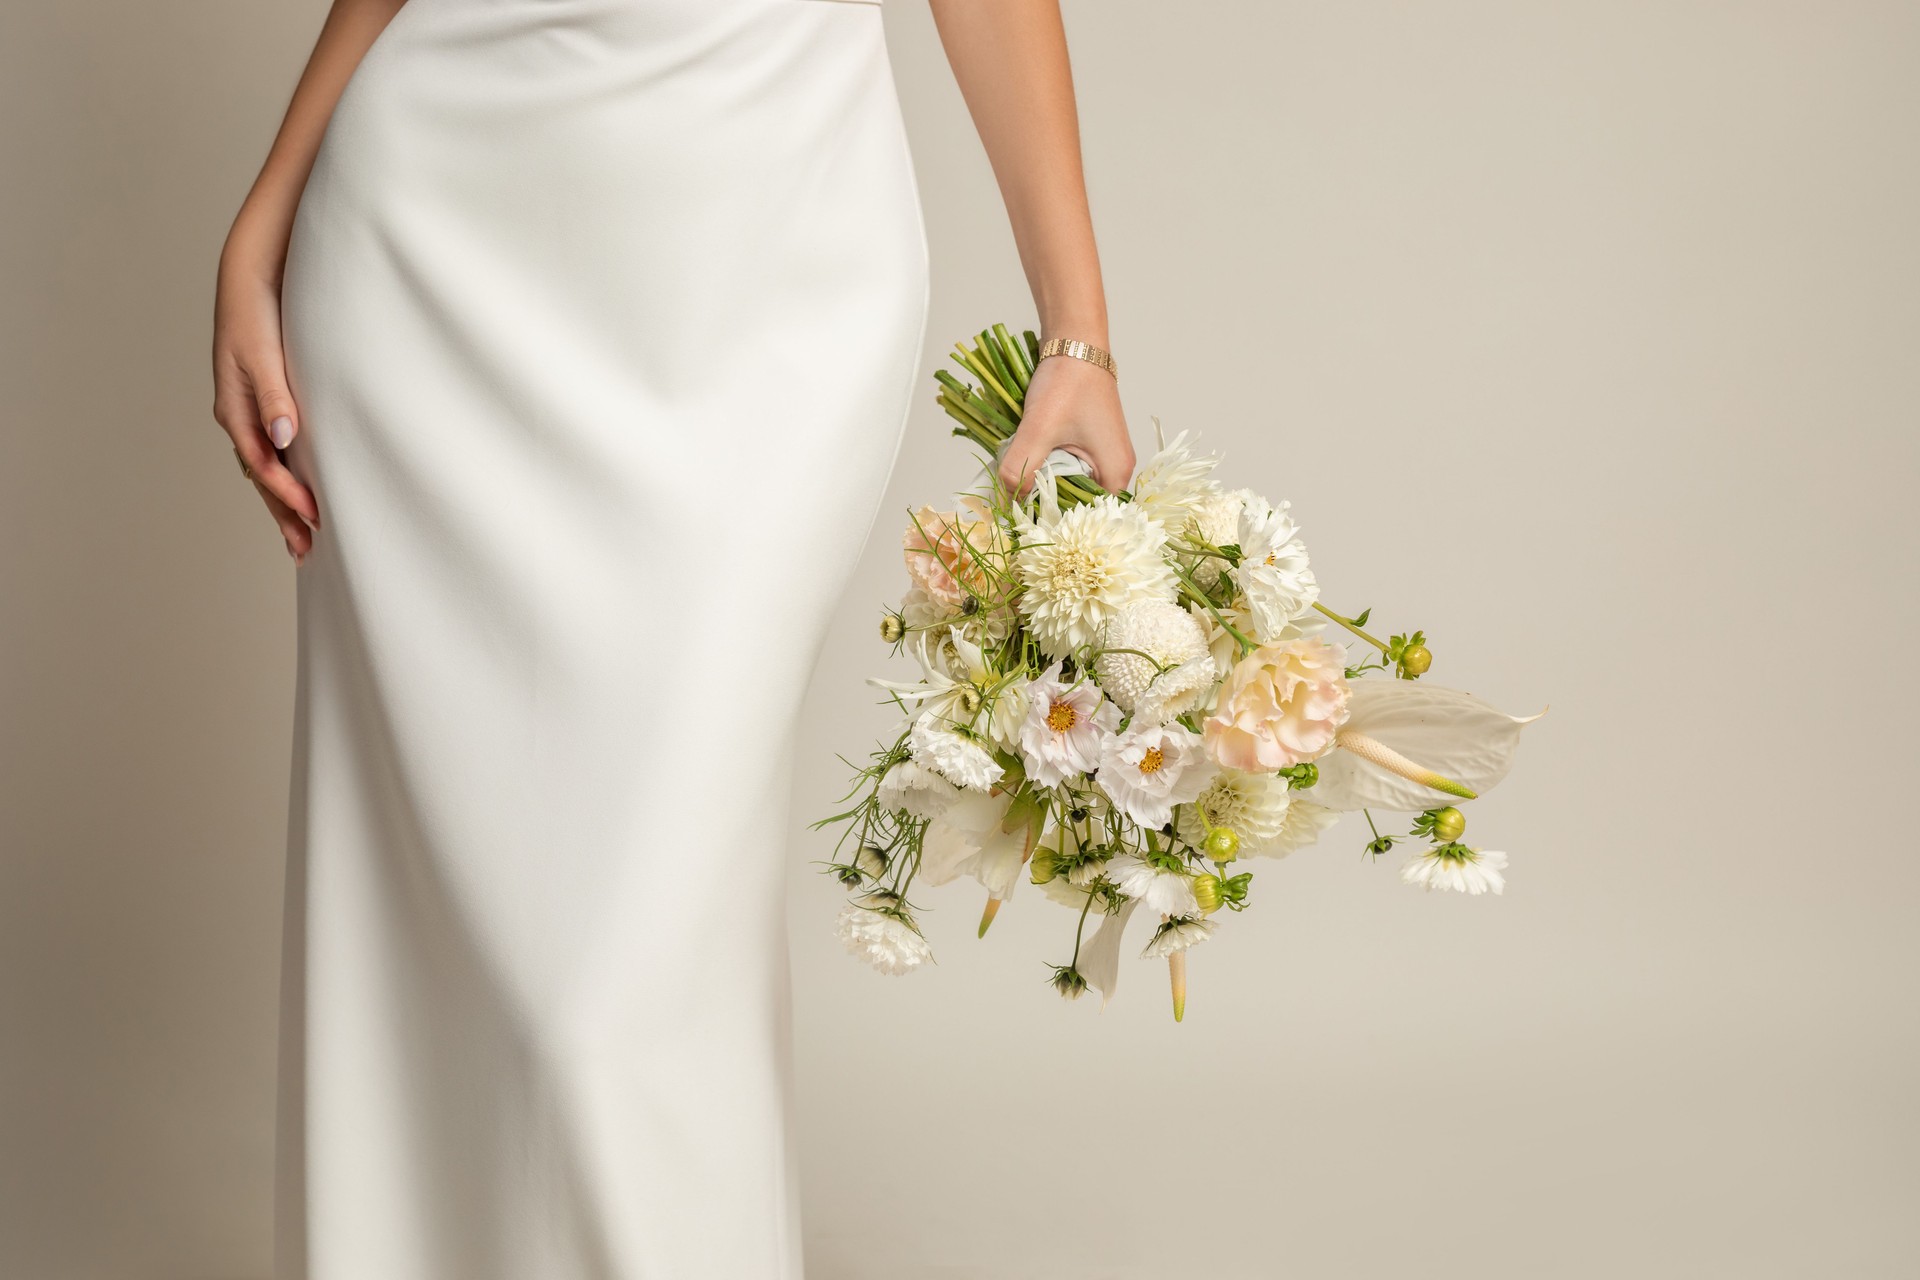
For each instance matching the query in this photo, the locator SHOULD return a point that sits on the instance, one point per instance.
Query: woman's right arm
(250, 397)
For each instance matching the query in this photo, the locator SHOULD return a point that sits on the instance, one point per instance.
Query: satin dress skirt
(603, 318)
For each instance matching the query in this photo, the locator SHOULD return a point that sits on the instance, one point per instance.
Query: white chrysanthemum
(1456, 867)
(959, 759)
(1083, 567)
(1214, 520)
(1304, 824)
(912, 786)
(1168, 892)
(1172, 483)
(1150, 768)
(1169, 635)
(1065, 727)
(1254, 805)
(882, 937)
(1177, 933)
(1273, 575)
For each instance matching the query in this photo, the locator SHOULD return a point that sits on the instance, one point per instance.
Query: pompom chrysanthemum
(1150, 632)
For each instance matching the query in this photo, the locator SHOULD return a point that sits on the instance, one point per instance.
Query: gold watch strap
(1079, 351)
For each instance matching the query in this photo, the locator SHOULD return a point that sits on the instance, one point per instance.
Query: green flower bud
(1415, 659)
(1046, 865)
(1448, 823)
(1222, 844)
(1207, 892)
(1068, 982)
(891, 628)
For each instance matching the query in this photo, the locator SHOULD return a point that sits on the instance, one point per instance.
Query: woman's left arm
(1010, 59)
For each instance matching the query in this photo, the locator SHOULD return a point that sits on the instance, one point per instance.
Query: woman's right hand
(251, 401)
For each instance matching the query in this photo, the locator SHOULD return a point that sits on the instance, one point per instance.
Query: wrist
(253, 252)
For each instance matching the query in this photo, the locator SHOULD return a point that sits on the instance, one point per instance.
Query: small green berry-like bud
(891, 628)
(1046, 865)
(1448, 823)
(1415, 659)
(1206, 891)
(1222, 844)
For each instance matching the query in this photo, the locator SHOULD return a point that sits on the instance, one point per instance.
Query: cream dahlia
(1281, 705)
(1253, 805)
(1083, 566)
(1172, 484)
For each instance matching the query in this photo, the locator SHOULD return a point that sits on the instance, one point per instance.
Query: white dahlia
(1177, 933)
(1171, 484)
(1254, 805)
(1304, 824)
(959, 759)
(1273, 575)
(883, 936)
(1456, 867)
(1083, 566)
(1065, 728)
(1169, 635)
(912, 786)
(1150, 768)
(1158, 888)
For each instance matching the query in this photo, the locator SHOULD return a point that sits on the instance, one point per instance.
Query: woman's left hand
(1071, 405)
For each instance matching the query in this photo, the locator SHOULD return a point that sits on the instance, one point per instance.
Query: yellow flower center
(1270, 556)
(1061, 717)
(1151, 762)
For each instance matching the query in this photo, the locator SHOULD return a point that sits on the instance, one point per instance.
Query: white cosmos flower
(1085, 565)
(1273, 574)
(1177, 933)
(967, 840)
(882, 937)
(959, 759)
(1456, 867)
(1254, 805)
(912, 786)
(1168, 892)
(1168, 635)
(1149, 769)
(1172, 483)
(954, 686)
(1065, 727)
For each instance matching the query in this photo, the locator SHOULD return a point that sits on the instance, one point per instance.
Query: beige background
(1581, 334)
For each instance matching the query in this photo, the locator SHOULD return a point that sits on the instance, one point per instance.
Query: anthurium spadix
(1406, 743)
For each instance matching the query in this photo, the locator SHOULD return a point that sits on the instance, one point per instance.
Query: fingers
(1021, 461)
(255, 409)
(298, 536)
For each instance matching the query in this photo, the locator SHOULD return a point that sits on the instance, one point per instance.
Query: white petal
(1450, 732)
(1100, 954)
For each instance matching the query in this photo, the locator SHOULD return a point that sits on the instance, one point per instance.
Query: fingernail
(280, 431)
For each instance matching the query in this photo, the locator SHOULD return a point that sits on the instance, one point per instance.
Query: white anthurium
(1100, 955)
(969, 839)
(1406, 745)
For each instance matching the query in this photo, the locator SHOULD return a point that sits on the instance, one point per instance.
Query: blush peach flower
(1281, 705)
(945, 551)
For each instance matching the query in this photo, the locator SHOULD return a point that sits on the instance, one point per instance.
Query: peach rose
(1281, 705)
(944, 550)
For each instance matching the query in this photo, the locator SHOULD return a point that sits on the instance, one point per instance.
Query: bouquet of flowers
(1123, 695)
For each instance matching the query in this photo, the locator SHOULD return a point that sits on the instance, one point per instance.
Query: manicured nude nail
(280, 431)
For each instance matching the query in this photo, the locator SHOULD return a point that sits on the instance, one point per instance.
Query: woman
(569, 344)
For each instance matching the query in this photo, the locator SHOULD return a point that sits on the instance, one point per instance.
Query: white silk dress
(603, 318)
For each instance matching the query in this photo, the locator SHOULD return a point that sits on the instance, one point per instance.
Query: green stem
(1348, 623)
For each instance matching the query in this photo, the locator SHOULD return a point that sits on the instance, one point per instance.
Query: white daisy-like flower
(959, 759)
(1082, 567)
(912, 786)
(1150, 768)
(1065, 727)
(1171, 484)
(1168, 892)
(1273, 574)
(1164, 633)
(1254, 805)
(1177, 933)
(882, 937)
(1456, 867)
